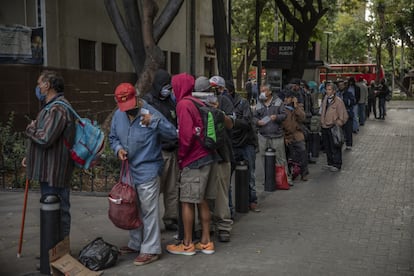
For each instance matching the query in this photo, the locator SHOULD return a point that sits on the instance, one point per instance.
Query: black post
(49, 228)
(270, 161)
(242, 187)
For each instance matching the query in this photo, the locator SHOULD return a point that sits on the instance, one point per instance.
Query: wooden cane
(26, 191)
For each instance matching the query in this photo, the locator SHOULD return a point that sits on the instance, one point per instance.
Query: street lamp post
(327, 52)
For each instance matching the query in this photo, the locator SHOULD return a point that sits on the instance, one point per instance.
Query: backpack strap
(68, 107)
(72, 111)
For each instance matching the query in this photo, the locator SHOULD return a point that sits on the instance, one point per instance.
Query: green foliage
(12, 150)
(349, 42)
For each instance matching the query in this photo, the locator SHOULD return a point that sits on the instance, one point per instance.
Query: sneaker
(253, 207)
(348, 148)
(205, 248)
(304, 178)
(327, 167)
(181, 249)
(334, 169)
(124, 250)
(144, 259)
(223, 236)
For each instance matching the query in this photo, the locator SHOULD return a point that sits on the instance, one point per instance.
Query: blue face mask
(39, 94)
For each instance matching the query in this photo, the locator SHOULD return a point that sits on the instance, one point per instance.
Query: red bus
(344, 71)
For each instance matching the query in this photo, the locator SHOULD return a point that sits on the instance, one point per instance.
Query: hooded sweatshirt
(164, 105)
(189, 120)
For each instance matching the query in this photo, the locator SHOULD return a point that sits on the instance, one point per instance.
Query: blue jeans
(355, 119)
(64, 195)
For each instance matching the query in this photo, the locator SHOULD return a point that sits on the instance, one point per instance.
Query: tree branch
(166, 17)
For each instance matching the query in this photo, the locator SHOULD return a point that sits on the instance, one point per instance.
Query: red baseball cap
(125, 96)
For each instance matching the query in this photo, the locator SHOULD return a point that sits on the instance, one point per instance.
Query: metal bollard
(242, 187)
(49, 228)
(270, 161)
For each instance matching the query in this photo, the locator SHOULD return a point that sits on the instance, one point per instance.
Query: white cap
(217, 81)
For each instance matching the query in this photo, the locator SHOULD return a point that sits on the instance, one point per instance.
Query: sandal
(127, 250)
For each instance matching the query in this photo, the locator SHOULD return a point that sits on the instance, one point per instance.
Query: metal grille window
(87, 54)
(108, 57)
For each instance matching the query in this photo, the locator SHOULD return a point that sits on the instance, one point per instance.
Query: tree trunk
(221, 39)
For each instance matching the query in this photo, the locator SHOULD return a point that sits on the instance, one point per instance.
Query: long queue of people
(159, 135)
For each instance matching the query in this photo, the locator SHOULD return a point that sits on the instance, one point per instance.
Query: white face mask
(262, 96)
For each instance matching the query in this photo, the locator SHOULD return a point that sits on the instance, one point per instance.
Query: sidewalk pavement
(359, 221)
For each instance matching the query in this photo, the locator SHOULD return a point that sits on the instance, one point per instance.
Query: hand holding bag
(337, 136)
(123, 202)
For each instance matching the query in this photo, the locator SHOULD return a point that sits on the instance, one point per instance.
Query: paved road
(359, 221)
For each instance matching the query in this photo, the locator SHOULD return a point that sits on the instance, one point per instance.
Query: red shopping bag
(123, 202)
(281, 178)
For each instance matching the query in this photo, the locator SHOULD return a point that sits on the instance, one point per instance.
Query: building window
(86, 54)
(174, 63)
(108, 57)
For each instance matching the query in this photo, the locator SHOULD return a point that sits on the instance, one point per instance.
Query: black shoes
(224, 236)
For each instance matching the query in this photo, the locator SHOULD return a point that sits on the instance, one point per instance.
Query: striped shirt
(48, 158)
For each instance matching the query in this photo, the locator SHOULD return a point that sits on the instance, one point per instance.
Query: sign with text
(280, 51)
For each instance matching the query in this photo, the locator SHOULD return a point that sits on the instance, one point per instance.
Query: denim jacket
(142, 143)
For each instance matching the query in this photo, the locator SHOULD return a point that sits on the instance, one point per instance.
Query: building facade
(77, 38)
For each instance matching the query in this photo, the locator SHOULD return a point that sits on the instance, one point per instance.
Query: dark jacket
(165, 106)
(273, 129)
(349, 101)
(243, 130)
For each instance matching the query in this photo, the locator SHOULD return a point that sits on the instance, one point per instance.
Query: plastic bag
(98, 255)
(281, 178)
(337, 136)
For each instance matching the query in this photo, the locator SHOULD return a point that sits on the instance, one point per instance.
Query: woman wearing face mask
(333, 112)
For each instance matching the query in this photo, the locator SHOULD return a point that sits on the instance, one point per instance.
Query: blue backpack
(89, 140)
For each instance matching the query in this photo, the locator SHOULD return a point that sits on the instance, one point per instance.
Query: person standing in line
(363, 88)
(372, 100)
(162, 99)
(197, 184)
(268, 117)
(333, 113)
(249, 87)
(222, 169)
(137, 130)
(294, 136)
(48, 158)
(354, 89)
(382, 95)
(349, 102)
(244, 140)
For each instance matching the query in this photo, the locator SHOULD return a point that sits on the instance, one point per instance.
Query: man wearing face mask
(268, 117)
(48, 160)
(162, 99)
(136, 133)
(333, 112)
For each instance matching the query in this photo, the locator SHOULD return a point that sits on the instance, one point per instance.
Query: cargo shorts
(197, 184)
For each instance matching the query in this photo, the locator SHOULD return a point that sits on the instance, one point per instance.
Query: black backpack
(213, 136)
